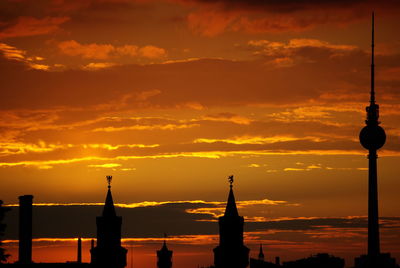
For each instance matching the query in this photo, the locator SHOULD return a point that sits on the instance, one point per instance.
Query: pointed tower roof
(164, 247)
(261, 253)
(231, 209)
(109, 209)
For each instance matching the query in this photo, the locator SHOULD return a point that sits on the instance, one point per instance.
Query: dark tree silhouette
(3, 210)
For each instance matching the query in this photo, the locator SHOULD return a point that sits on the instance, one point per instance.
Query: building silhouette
(261, 263)
(321, 260)
(108, 252)
(164, 257)
(231, 251)
(372, 138)
(25, 241)
(25, 229)
(79, 253)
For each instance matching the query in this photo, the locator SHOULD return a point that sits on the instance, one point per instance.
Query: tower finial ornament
(230, 179)
(109, 179)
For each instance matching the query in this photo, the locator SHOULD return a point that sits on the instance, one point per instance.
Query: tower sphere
(372, 137)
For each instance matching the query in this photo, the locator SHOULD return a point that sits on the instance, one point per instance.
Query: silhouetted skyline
(171, 97)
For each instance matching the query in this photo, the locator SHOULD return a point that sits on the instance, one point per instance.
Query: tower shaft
(25, 229)
(373, 215)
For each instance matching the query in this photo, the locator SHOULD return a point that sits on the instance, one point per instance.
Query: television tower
(372, 138)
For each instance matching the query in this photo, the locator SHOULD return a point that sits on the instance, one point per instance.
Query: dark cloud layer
(153, 221)
(207, 82)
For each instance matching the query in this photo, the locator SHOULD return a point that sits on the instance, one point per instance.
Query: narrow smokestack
(25, 229)
(278, 261)
(79, 259)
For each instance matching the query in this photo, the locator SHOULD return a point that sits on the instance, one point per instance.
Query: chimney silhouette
(25, 229)
(278, 261)
(79, 257)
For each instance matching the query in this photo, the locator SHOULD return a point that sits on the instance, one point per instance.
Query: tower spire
(372, 100)
(231, 209)
(109, 209)
(165, 241)
(261, 253)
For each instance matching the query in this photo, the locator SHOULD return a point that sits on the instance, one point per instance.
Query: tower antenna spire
(372, 101)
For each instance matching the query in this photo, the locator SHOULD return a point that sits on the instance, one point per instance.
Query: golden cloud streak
(22, 148)
(240, 204)
(11, 148)
(16, 54)
(210, 154)
(219, 210)
(116, 147)
(257, 140)
(142, 127)
(108, 165)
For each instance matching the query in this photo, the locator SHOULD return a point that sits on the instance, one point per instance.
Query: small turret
(261, 253)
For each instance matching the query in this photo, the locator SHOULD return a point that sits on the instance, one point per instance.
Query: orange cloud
(297, 51)
(256, 140)
(90, 51)
(152, 52)
(98, 65)
(30, 26)
(270, 48)
(15, 54)
(229, 117)
(143, 127)
(12, 53)
(108, 51)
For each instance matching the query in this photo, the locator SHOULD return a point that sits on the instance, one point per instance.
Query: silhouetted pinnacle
(372, 100)
(231, 209)
(261, 253)
(164, 247)
(109, 210)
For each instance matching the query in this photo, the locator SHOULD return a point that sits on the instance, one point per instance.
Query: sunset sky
(173, 96)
